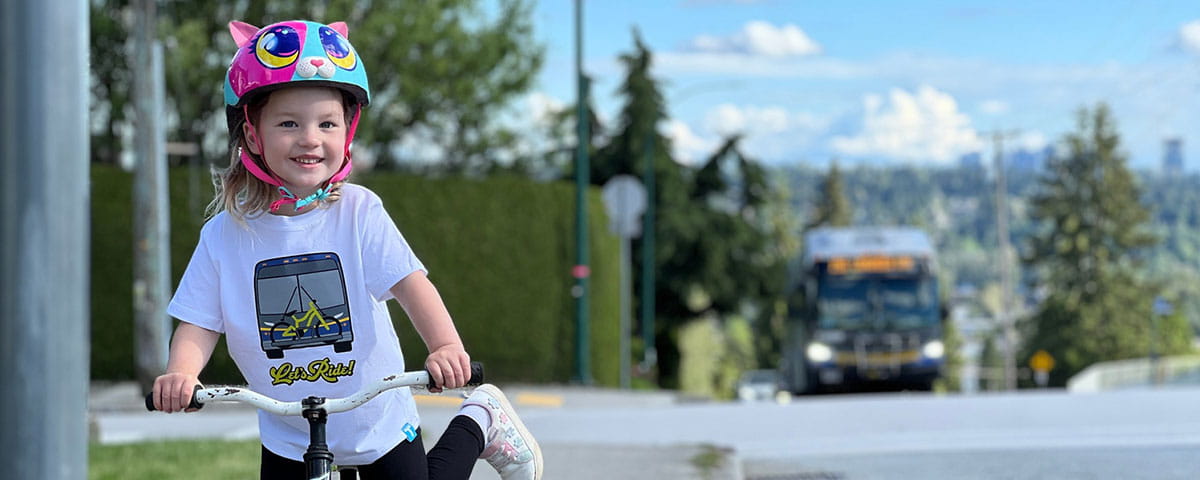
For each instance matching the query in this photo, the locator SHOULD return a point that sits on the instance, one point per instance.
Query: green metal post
(581, 270)
(650, 357)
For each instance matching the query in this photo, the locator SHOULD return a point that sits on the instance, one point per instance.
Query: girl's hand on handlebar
(173, 392)
(449, 366)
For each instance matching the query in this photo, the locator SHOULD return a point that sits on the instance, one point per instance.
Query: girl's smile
(302, 131)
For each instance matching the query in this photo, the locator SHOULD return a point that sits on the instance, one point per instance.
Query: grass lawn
(174, 460)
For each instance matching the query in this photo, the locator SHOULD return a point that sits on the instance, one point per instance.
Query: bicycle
(318, 460)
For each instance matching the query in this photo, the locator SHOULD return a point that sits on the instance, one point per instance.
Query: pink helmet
(290, 53)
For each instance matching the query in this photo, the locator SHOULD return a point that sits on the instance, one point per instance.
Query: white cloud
(925, 126)
(728, 119)
(541, 106)
(1032, 141)
(731, 63)
(770, 134)
(1189, 36)
(759, 38)
(690, 148)
(994, 107)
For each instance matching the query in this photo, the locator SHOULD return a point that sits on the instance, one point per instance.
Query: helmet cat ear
(242, 32)
(341, 28)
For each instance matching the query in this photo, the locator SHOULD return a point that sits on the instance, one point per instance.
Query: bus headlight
(933, 349)
(819, 352)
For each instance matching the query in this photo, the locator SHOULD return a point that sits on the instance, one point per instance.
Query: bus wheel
(342, 347)
(275, 354)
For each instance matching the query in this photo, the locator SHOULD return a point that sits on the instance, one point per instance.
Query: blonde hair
(241, 193)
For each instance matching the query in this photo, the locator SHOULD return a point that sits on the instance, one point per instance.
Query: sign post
(1041, 363)
(624, 200)
(1162, 308)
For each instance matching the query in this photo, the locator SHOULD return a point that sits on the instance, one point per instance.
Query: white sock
(480, 415)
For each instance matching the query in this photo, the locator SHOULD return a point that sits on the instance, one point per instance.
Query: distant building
(972, 161)
(1026, 161)
(1172, 162)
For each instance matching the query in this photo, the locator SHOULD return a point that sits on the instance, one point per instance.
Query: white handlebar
(332, 405)
(418, 379)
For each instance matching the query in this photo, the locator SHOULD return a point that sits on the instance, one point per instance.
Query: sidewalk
(117, 415)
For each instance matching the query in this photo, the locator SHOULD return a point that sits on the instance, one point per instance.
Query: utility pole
(44, 262)
(151, 251)
(1004, 262)
(581, 271)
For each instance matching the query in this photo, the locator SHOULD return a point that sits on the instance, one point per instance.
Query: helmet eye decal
(278, 47)
(338, 49)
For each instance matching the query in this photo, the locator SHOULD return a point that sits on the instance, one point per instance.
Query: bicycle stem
(318, 460)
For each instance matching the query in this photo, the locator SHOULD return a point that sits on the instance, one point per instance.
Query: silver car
(758, 385)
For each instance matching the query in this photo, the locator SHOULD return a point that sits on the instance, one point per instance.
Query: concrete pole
(151, 251)
(44, 238)
(1006, 314)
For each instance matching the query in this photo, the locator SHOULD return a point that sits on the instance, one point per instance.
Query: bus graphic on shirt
(301, 302)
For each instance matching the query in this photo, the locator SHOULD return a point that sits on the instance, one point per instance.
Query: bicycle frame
(318, 460)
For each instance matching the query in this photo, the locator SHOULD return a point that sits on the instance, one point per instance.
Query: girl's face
(303, 134)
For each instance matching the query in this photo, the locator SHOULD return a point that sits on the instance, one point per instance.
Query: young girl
(294, 268)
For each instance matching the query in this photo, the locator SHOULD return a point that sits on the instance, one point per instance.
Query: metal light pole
(650, 355)
(581, 272)
(44, 234)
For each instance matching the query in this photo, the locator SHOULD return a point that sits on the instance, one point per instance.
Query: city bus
(301, 302)
(864, 312)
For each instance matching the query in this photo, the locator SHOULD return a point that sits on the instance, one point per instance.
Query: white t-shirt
(301, 303)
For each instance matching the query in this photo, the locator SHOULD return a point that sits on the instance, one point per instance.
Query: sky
(916, 82)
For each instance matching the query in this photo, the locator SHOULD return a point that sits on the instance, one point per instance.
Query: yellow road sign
(1041, 361)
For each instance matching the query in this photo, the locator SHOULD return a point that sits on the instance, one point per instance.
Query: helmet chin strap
(286, 196)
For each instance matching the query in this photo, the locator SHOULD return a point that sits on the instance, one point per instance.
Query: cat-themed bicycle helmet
(290, 53)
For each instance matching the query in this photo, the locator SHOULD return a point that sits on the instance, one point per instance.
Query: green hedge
(499, 251)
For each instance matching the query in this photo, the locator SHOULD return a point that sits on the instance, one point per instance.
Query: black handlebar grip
(475, 380)
(193, 404)
(476, 374)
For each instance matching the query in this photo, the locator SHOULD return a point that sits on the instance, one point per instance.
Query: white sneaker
(510, 449)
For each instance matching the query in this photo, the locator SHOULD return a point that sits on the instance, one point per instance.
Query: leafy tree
(991, 363)
(1087, 252)
(951, 378)
(109, 73)
(833, 208)
(441, 72)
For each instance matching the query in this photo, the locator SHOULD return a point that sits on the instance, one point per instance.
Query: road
(1150, 434)
(1142, 434)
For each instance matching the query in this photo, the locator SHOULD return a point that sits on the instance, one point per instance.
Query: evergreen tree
(712, 247)
(678, 222)
(1086, 255)
(833, 208)
(638, 123)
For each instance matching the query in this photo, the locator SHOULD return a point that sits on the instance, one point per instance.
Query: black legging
(452, 458)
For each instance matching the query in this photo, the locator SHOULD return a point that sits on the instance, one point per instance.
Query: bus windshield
(908, 303)
(867, 302)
